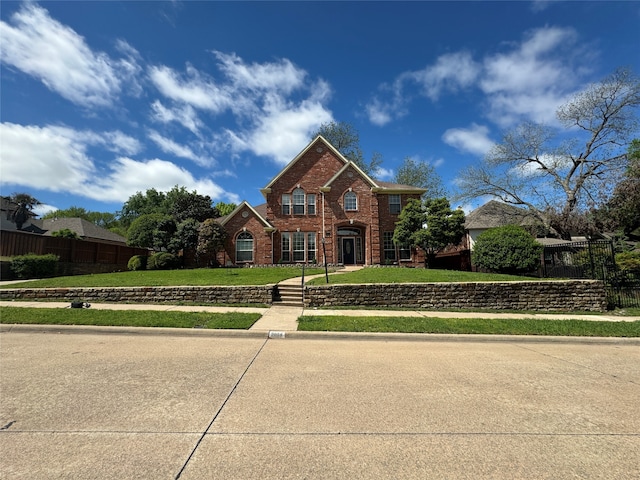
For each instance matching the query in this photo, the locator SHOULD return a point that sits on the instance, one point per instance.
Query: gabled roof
(497, 214)
(349, 164)
(311, 144)
(260, 212)
(84, 229)
(376, 185)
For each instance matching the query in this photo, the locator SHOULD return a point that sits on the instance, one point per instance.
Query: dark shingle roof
(83, 228)
(497, 214)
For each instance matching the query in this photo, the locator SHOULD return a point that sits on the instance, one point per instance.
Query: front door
(348, 251)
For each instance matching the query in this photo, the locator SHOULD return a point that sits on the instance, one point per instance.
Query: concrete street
(162, 404)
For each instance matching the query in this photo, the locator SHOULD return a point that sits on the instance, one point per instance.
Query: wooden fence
(14, 243)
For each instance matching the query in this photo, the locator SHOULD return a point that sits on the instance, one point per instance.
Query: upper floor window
(298, 201)
(394, 204)
(244, 247)
(286, 204)
(350, 202)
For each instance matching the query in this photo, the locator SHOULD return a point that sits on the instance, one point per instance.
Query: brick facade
(319, 195)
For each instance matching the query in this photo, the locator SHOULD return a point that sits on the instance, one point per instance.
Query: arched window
(350, 202)
(244, 247)
(298, 201)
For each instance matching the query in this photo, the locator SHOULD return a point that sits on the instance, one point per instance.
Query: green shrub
(137, 262)
(509, 249)
(65, 233)
(628, 261)
(35, 266)
(162, 261)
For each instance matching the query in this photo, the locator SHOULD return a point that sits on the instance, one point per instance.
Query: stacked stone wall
(580, 295)
(211, 294)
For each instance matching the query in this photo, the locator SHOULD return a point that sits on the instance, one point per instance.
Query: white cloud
(281, 132)
(55, 54)
(451, 72)
(193, 89)
(185, 115)
(43, 158)
(528, 80)
(169, 146)
(281, 76)
(474, 139)
(59, 155)
(384, 173)
(532, 80)
(274, 105)
(127, 176)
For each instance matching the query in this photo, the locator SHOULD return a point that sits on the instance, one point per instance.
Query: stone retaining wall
(572, 295)
(210, 294)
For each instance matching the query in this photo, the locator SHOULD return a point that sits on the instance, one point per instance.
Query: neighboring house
(496, 214)
(85, 229)
(321, 202)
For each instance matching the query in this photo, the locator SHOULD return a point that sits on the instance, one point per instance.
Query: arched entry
(350, 245)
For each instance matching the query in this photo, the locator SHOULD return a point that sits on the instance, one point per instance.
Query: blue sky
(100, 100)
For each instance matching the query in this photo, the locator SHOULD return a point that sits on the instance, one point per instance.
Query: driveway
(200, 406)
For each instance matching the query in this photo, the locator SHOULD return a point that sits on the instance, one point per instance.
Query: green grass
(415, 275)
(129, 318)
(469, 326)
(154, 278)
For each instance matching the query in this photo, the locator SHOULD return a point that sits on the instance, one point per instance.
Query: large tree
(24, 208)
(431, 226)
(557, 174)
(419, 173)
(622, 211)
(344, 137)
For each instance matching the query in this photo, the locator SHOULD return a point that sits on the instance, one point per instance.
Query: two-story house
(321, 207)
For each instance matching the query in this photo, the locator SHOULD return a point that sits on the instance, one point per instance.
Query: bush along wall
(34, 266)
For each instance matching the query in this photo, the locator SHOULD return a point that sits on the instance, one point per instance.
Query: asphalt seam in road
(204, 434)
(319, 434)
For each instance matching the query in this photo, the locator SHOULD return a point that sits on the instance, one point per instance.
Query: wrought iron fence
(594, 260)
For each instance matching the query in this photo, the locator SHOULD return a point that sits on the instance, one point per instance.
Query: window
(298, 201)
(359, 250)
(350, 202)
(311, 204)
(311, 247)
(298, 247)
(286, 247)
(286, 204)
(244, 247)
(405, 252)
(394, 204)
(388, 246)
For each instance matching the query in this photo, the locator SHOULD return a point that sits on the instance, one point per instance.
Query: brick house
(320, 202)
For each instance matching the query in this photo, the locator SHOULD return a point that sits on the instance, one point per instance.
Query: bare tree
(344, 137)
(419, 173)
(557, 178)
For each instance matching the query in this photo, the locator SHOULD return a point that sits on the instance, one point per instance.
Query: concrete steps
(289, 295)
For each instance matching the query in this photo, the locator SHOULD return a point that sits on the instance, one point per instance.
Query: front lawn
(128, 318)
(415, 275)
(155, 278)
(583, 328)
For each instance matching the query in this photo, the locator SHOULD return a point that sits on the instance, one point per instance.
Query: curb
(301, 335)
